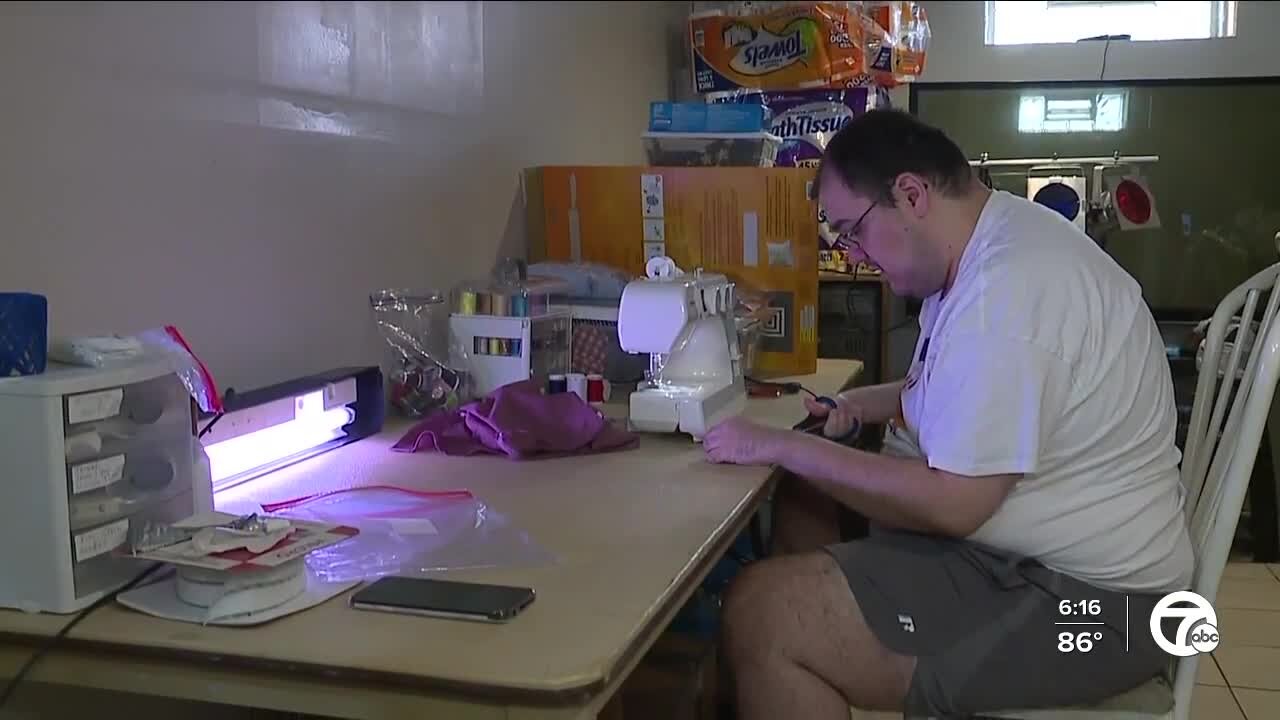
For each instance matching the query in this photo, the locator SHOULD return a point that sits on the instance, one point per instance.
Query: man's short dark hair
(869, 154)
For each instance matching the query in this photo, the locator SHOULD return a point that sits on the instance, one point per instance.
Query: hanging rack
(1114, 159)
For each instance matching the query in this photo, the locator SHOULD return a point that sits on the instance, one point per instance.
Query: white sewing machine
(685, 322)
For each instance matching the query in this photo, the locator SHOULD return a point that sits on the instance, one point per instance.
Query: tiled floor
(1243, 680)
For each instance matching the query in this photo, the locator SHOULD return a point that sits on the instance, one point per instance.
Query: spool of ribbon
(243, 591)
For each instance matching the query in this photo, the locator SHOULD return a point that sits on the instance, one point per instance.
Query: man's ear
(912, 194)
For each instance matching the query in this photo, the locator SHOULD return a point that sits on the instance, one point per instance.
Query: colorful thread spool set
(497, 304)
(591, 388)
(500, 304)
(506, 347)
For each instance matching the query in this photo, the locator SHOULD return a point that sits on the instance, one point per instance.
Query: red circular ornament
(1133, 202)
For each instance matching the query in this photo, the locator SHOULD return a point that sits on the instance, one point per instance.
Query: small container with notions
(509, 331)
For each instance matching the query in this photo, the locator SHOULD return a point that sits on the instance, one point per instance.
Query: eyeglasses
(849, 237)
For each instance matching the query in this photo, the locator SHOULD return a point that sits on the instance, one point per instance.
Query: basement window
(1067, 21)
(1058, 113)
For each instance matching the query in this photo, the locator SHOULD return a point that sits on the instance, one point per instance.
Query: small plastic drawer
(100, 558)
(117, 484)
(108, 439)
(128, 411)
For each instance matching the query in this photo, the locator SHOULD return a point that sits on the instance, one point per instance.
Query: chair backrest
(1234, 392)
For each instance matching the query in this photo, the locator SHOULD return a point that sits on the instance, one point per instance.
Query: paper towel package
(755, 225)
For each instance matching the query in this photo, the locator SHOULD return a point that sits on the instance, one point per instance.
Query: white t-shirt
(1043, 359)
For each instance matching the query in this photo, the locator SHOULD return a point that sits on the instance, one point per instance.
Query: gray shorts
(989, 630)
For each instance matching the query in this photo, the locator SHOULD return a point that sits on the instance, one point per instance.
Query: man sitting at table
(1029, 476)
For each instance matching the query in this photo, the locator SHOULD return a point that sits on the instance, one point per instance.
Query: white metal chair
(1216, 466)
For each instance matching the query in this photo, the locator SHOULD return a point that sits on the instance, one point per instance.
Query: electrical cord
(1106, 47)
(17, 678)
(783, 388)
(204, 430)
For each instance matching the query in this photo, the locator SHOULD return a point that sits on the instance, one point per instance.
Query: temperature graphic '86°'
(1082, 641)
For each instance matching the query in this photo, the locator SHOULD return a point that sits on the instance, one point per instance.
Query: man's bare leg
(804, 518)
(798, 645)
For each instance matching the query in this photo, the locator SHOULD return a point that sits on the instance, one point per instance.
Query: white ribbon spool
(661, 268)
(243, 592)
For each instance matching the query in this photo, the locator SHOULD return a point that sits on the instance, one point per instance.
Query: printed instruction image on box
(755, 225)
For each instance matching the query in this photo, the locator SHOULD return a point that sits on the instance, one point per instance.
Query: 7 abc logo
(1197, 629)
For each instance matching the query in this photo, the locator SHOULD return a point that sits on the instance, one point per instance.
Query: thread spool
(467, 303)
(484, 304)
(520, 305)
(595, 388)
(495, 346)
(500, 305)
(577, 383)
(480, 346)
(557, 384)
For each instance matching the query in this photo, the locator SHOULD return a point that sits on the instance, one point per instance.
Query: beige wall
(152, 170)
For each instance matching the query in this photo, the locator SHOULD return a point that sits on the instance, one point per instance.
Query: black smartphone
(443, 598)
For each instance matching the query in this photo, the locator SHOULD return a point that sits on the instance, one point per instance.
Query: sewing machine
(685, 322)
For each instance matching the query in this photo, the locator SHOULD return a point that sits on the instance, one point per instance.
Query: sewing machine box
(755, 225)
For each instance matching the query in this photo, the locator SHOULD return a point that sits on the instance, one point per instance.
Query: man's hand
(742, 442)
(840, 421)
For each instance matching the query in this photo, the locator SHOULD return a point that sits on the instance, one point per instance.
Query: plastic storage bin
(506, 333)
(88, 454)
(711, 149)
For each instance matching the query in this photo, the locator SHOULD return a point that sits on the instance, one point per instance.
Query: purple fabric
(518, 421)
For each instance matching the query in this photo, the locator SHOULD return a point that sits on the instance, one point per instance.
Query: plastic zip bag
(408, 532)
(415, 327)
(168, 341)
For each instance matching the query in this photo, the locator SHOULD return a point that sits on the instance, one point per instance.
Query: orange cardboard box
(755, 225)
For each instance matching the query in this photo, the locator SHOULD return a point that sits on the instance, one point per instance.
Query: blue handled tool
(814, 424)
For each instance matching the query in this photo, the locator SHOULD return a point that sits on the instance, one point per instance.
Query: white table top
(632, 531)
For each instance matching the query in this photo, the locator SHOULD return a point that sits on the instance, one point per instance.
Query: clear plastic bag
(407, 532)
(741, 48)
(897, 36)
(415, 327)
(168, 341)
(160, 344)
